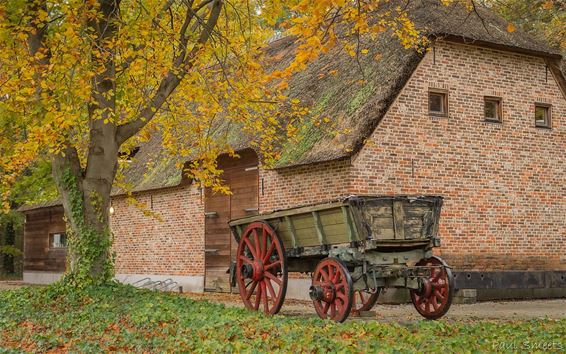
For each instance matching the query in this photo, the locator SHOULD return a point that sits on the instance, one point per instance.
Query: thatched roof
(358, 107)
(352, 95)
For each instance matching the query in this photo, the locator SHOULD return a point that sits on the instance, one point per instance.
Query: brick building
(479, 118)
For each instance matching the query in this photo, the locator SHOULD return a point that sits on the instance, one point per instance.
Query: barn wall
(504, 183)
(43, 264)
(169, 247)
(301, 185)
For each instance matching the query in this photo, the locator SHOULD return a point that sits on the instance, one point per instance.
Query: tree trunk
(86, 200)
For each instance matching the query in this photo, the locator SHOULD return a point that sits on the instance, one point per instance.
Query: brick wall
(173, 246)
(504, 183)
(302, 185)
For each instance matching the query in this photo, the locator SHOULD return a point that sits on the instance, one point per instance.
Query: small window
(438, 103)
(542, 115)
(492, 109)
(58, 240)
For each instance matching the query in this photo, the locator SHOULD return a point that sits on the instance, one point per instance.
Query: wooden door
(241, 175)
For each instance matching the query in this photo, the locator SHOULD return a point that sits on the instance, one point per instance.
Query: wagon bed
(359, 221)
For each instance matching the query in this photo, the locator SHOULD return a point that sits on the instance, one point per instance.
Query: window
(438, 103)
(492, 109)
(542, 115)
(58, 240)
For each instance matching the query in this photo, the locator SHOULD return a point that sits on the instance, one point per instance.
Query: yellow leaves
(548, 5)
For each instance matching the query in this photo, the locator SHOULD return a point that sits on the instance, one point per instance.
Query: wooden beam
(352, 236)
(319, 229)
(292, 231)
(288, 212)
(399, 220)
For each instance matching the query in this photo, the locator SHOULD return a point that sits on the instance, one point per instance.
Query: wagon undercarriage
(352, 248)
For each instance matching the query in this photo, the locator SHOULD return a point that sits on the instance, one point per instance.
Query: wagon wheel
(365, 299)
(261, 268)
(434, 297)
(332, 290)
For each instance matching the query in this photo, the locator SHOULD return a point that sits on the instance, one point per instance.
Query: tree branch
(170, 82)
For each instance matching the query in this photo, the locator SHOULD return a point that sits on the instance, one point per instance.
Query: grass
(122, 318)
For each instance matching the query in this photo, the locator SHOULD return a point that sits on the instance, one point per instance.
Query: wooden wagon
(352, 247)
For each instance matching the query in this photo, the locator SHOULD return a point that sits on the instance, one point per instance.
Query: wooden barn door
(242, 175)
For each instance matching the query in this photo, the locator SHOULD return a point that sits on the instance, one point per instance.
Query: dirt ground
(497, 311)
(10, 284)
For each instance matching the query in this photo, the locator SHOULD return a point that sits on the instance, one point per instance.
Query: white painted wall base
(298, 289)
(193, 283)
(38, 277)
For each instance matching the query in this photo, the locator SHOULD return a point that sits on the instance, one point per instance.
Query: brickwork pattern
(303, 185)
(173, 246)
(504, 183)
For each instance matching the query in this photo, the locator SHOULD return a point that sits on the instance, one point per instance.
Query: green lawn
(121, 318)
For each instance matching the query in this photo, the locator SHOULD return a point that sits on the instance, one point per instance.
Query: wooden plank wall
(242, 175)
(38, 256)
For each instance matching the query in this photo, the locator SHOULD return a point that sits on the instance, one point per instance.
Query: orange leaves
(511, 27)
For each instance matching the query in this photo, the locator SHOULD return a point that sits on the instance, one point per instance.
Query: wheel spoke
(337, 276)
(270, 288)
(333, 309)
(264, 297)
(273, 277)
(246, 260)
(439, 295)
(251, 247)
(251, 290)
(339, 305)
(326, 307)
(342, 297)
(269, 251)
(435, 303)
(263, 242)
(257, 244)
(331, 273)
(257, 298)
(272, 265)
(324, 275)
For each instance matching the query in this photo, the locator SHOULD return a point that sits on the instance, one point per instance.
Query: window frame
(499, 102)
(548, 109)
(51, 237)
(444, 93)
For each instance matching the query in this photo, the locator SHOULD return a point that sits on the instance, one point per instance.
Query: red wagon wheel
(434, 297)
(365, 299)
(332, 290)
(261, 268)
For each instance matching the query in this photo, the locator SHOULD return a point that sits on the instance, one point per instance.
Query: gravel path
(497, 311)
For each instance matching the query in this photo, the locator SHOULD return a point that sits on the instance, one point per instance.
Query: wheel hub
(323, 292)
